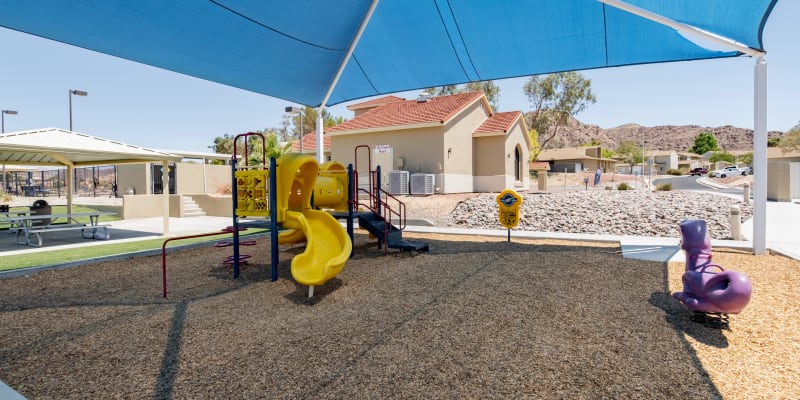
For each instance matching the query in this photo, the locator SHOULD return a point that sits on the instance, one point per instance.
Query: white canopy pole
(364, 22)
(320, 144)
(760, 159)
(760, 111)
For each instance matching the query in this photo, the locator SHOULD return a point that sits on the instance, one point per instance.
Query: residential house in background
(458, 140)
(577, 159)
(688, 161)
(662, 161)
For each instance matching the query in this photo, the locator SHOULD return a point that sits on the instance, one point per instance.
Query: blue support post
(273, 216)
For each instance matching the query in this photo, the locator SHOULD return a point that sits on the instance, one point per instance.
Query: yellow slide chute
(327, 244)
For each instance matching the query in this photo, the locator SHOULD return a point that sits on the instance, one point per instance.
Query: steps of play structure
(376, 225)
(190, 208)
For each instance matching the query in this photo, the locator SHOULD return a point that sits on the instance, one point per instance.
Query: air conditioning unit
(398, 182)
(423, 183)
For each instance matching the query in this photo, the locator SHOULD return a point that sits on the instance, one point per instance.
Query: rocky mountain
(665, 137)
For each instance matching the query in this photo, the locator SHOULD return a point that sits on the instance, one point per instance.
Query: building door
(157, 178)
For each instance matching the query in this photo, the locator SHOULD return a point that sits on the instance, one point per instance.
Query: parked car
(730, 170)
(698, 171)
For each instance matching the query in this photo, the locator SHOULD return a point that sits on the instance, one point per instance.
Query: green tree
(630, 153)
(488, 88)
(309, 121)
(774, 141)
(607, 153)
(445, 90)
(746, 158)
(223, 144)
(704, 142)
(555, 98)
(273, 147)
(721, 156)
(593, 142)
(791, 140)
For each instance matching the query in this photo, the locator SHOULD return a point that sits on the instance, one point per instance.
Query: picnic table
(29, 227)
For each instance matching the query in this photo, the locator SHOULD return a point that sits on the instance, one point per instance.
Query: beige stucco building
(458, 139)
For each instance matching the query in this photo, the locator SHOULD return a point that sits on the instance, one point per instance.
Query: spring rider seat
(709, 291)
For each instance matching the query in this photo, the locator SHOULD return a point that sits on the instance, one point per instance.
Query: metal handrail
(380, 203)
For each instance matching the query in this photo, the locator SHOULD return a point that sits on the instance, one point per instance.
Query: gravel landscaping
(633, 212)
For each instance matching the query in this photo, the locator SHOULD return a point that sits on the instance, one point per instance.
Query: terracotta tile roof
(310, 143)
(566, 153)
(539, 166)
(499, 122)
(410, 112)
(375, 102)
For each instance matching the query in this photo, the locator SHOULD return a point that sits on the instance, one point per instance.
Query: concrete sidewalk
(783, 228)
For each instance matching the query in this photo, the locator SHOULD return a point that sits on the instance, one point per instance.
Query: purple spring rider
(708, 289)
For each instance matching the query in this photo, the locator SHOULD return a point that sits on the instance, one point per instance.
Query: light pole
(3, 130)
(299, 112)
(643, 157)
(3, 118)
(76, 93)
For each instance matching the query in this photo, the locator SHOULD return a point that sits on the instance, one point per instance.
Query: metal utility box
(398, 182)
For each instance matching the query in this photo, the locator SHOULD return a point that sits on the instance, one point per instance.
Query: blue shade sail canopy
(294, 50)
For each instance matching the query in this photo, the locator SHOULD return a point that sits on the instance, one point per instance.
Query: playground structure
(709, 290)
(307, 199)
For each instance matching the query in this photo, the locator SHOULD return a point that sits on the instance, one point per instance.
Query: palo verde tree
(721, 156)
(746, 158)
(704, 142)
(629, 152)
(791, 140)
(554, 99)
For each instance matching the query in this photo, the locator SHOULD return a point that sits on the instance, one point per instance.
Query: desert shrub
(664, 187)
(673, 171)
(624, 186)
(609, 187)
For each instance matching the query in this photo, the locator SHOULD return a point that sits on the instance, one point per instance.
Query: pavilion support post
(165, 196)
(760, 159)
(70, 186)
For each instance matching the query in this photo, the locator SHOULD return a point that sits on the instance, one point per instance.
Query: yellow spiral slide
(327, 244)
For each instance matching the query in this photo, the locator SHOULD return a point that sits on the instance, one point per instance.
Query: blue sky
(150, 107)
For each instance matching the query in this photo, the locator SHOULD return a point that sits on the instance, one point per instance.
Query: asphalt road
(690, 183)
